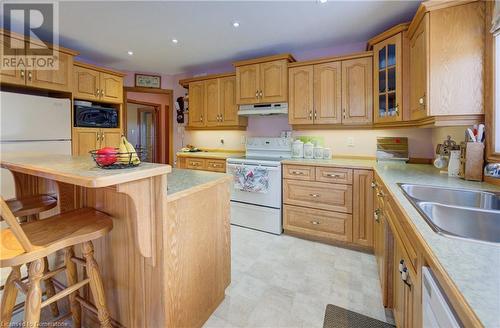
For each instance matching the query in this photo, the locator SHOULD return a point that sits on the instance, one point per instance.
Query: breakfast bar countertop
(181, 182)
(77, 170)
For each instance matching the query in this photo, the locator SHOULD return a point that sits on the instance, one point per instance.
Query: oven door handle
(270, 168)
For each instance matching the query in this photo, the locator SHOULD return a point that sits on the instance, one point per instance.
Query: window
(492, 67)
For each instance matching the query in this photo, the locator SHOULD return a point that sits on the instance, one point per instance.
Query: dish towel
(255, 179)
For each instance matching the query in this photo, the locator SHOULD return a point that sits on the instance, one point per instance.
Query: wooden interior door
(328, 93)
(301, 96)
(247, 84)
(228, 107)
(273, 82)
(111, 87)
(85, 140)
(212, 103)
(12, 47)
(197, 104)
(85, 83)
(60, 79)
(357, 99)
(418, 71)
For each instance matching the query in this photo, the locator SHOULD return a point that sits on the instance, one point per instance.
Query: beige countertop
(181, 182)
(77, 170)
(334, 162)
(472, 266)
(211, 154)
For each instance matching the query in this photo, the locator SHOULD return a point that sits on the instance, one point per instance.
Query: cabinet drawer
(334, 175)
(195, 163)
(299, 172)
(216, 165)
(333, 197)
(334, 225)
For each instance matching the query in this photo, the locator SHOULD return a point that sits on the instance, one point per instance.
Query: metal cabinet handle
(102, 136)
(315, 115)
(314, 195)
(261, 94)
(315, 222)
(102, 93)
(30, 75)
(97, 137)
(201, 118)
(344, 113)
(373, 184)
(297, 172)
(397, 109)
(380, 194)
(22, 74)
(421, 101)
(97, 92)
(257, 94)
(376, 215)
(310, 115)
(333, 175)
(221, 118)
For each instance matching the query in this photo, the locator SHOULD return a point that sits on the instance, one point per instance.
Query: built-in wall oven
(259, 207)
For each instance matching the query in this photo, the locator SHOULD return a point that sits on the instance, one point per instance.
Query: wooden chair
(33, 241)
(27, 209)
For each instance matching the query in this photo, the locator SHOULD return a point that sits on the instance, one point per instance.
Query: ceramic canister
(454, 163)
(308, 150)
(297, 149)
(327, 153)
(318, 152)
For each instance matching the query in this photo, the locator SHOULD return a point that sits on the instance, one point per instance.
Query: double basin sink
(462, 213)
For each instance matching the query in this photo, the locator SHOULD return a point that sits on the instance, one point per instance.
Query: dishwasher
(436, 311)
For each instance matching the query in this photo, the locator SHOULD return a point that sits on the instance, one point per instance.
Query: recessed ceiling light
(130, 53)
(322, 1)
(236, 24)
(175, 41)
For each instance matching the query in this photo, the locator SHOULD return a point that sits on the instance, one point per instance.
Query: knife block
(471, 161)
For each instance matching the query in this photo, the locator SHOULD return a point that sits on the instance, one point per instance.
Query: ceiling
(105, 31)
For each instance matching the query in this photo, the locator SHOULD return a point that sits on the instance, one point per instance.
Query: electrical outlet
(350, 142)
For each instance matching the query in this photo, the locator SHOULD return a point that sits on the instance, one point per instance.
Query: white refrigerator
(32, 124)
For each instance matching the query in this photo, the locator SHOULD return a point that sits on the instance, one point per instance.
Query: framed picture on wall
(148, 81)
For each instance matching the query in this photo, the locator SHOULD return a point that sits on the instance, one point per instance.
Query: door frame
(155, 108)
(169, 118)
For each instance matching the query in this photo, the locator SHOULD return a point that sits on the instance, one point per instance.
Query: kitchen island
(166, 263)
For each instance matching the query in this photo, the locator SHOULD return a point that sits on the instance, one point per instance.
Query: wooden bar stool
(27, 209)
(33, 241)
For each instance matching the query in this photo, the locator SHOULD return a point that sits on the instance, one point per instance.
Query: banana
(123, 156)
(135, 159)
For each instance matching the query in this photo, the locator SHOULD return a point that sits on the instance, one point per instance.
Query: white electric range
(260, 210)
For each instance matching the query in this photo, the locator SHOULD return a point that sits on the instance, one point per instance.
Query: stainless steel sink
(454, 197)
(462, 213)
(483, 225)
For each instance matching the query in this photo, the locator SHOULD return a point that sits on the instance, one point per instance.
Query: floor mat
(337, 317)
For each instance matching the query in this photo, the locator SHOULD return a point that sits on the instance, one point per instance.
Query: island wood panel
(197, 257)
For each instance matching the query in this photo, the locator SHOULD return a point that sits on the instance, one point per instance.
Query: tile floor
(282, 281)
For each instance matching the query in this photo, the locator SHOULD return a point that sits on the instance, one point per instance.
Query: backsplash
(355, 142)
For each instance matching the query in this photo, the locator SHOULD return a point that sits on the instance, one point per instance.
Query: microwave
(96, 117)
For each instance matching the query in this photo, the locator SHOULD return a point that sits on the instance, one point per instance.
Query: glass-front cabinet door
(388, 80)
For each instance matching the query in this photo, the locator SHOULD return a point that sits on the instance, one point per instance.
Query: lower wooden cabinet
(319, 223)
(328, 203)
(87, 139)
(204, 164)
(404, 289)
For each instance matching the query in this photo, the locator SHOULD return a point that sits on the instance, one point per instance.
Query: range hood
(264, 109)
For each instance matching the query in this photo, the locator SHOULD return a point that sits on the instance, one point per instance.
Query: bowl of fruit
(121, 157)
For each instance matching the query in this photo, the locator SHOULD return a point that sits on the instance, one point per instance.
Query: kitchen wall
(422, 141)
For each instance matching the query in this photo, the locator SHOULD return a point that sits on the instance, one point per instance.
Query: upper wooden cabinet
(331, 92)
(97, 84)
(447, 48)
(357, 99)
(262, 80)
(41, 78)
(390, 75)
(212, 102)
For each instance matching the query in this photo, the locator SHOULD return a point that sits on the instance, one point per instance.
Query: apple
(106, 156)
